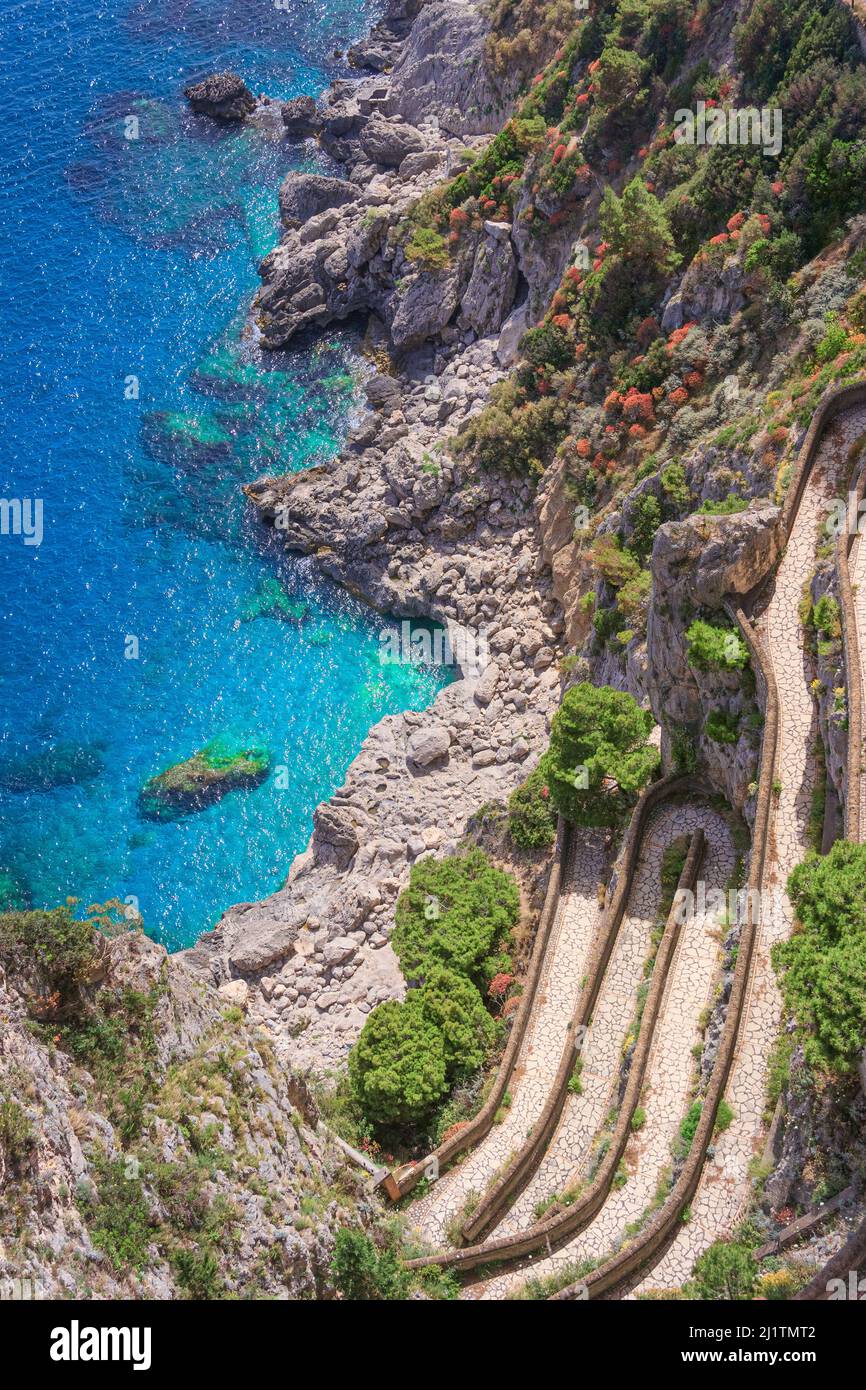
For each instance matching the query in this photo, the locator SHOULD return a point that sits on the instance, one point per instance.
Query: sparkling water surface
(134, 403)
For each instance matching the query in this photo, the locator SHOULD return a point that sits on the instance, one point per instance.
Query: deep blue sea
(133, 407)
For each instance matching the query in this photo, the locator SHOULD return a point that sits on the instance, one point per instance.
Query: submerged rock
(62, 765)
(270, 600)
(204, 778)
(182, 440)
(223, 96)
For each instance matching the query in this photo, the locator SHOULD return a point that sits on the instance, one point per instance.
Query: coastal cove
(156, 616)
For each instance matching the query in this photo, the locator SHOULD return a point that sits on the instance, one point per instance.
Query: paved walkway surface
(725, 1189)
(614, 1013)
(558, 990)
(671, 1066)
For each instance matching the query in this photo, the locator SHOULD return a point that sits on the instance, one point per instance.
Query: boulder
(342, 948)
(512, 331)
(235, 993)
(425, 308)
(708, 556)
(441, 71)
(306, 195)
(389, 142)
(426, 745)
(223, 96)
(300, 117)
(335, 833)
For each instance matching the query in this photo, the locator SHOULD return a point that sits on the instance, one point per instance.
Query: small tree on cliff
(599, 758)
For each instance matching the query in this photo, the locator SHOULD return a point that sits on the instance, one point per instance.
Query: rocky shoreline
(397, 521)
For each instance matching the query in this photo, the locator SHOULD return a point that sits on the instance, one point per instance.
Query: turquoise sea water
(133, 407)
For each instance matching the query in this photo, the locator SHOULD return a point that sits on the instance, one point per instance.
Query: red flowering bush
(613, 403)
(720, 239)
(458, 219)
(499, 985)
(678, 397)
(583, 448)
(736, 222)
(694, 380)
(679, 334)
(450, 1132)
(637, 406)
(636, 432)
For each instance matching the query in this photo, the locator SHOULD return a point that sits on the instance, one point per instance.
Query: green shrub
(823, 966)
(361, 1272)
(61, 947)
(397, 1068)
(598, 737)
(618, 566)
(454, 1006)
(548, 346)
(512, 434)
(120, 1222)
(731, 504)
(428, 248)
(531, 816)
(835, 340)
(453, 913)
(727, 1270)
(827, 618)
(722, 727)
(712, 647)
(646, 520)
(16, 1131)
(674, 486)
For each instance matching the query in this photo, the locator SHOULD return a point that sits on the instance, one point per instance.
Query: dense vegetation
(823, 966)
(599, 757)
(454, 925)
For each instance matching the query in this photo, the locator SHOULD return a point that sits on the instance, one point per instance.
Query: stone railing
(524, 1164)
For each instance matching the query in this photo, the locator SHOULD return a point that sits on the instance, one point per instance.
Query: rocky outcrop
(489, 295)
(695, 564)
(398, 521)
(303, 196)
(389, 142)
(104, 1168)
(201, 780)
(441, 72)
(223, 96)
(703, 558)
(300, 117)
